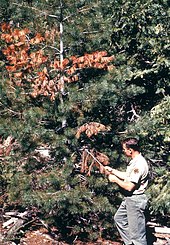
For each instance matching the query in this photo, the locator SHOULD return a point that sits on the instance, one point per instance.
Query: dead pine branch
(92, 158)
(135, 116)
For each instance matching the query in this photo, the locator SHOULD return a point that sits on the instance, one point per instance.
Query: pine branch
(51, 48)
(37, 10)
(134, 114)
(91, 32)
(79, 11)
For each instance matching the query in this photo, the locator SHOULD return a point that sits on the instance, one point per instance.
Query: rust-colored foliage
(91, 159)
(28, 64)
(6, 146)
(92, 128)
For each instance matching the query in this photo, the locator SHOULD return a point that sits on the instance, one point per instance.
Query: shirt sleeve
(135, 175)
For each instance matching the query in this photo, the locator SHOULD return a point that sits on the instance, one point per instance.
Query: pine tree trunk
(61, 58)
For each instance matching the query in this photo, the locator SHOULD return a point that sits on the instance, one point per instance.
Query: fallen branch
(159, 229)
(164, 230)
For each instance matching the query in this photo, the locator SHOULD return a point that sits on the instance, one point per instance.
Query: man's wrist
(113, 171)
(108, 176)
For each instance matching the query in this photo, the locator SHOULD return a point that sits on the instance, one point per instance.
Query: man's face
(127, 151)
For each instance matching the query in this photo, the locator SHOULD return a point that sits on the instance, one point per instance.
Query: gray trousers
(130, 220)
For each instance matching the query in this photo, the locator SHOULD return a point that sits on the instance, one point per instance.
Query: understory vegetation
(77, 77)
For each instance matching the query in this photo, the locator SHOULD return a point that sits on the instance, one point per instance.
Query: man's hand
(112, 178)
(120, 174)
(109, 169)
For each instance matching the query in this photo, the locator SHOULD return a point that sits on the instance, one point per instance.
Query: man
(130, 217)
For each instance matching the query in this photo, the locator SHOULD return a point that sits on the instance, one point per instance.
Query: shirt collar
(134, 159)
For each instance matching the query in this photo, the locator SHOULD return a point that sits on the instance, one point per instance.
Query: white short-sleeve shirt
(137, 172)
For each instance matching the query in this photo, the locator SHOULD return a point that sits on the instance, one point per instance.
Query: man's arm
(126, 185)
(121, 175)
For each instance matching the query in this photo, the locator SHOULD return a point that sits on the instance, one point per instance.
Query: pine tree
(39, 122)
(124, 99)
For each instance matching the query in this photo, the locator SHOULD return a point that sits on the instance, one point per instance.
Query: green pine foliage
(132, 98)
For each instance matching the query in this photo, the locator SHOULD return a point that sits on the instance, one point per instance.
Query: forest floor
(41, 237)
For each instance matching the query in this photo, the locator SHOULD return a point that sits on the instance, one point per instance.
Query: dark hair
(132, 143)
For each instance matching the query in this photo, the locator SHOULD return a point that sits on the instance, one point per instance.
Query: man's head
(130, 146)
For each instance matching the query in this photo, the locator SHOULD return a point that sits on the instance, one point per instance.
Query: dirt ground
(41, 237)
(37, 239)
